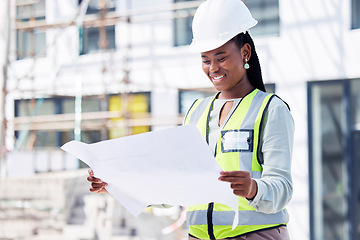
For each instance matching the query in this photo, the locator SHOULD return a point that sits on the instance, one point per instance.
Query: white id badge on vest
(237, 140)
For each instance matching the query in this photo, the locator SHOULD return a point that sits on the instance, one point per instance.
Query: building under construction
(93, 70)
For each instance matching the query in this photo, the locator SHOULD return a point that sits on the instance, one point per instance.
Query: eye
(206, 61)
(222, 59)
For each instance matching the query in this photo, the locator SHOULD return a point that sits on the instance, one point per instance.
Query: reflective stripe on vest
(248, 217)
(237, 149)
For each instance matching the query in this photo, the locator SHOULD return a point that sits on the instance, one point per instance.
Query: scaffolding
(98, 119)
(27, 207)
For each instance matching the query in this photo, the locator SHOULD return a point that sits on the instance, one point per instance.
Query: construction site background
(93, 70)
(68, 77)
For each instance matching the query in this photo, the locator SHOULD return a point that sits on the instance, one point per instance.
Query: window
(182, 25)
(46, 134)
(31, 42)
(355, 14)
(90, 38)
(135, 105)
(266, 12)
(334, 137)
(270, 87)
(187, 97)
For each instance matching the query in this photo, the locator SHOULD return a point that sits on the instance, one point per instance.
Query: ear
(246, 51)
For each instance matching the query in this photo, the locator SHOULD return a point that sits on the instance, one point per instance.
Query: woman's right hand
(97, 185)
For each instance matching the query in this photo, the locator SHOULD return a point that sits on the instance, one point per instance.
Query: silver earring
(246, 65)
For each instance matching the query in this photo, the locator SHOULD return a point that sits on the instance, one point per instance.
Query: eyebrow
(216, 54)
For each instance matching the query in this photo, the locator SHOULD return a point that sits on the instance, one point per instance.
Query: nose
(214, 67)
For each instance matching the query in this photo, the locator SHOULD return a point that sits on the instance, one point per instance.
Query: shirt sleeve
(275, 185)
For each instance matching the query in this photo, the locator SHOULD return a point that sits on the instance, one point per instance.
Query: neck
(239, 91)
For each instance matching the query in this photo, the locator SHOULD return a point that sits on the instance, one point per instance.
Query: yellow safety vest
(237, 149)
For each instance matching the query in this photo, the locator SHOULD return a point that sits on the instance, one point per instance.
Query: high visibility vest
(237, 149)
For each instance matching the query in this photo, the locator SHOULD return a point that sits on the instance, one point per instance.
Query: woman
(249, 131)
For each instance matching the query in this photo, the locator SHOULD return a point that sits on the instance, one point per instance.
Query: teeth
(217, 78)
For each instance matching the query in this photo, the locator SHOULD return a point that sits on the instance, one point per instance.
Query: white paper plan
(174, 166)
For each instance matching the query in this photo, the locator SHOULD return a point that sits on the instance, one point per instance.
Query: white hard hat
(217, 21)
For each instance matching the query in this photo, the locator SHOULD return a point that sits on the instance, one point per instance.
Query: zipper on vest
(210, 222)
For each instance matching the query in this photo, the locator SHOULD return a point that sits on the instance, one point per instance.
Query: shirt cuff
(261, 188)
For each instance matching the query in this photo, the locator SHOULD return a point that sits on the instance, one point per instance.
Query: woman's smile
(217, 78)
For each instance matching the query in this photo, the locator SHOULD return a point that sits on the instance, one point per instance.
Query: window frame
(32, 35)
(352, 185)
(95, 31)
(59, 104)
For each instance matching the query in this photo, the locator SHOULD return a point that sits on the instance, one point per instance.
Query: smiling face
(225, 68)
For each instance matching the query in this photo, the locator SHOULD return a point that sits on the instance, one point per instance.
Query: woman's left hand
(241, 183)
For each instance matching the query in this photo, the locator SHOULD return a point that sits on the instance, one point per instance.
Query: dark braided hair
(254, 72)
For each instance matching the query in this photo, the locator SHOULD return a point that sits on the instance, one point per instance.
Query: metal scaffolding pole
(4, 60)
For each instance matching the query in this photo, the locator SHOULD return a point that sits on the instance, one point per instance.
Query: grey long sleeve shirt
(275, 184)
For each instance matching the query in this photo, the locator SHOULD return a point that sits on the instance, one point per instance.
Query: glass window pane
(355, 98)
(355, 121)
(355, 12)
(133, 105)
(90, 105)
(183, 33)
(329, 168)
(90, 39)
(356, 150)
(68, 105)
(30, 9)
(37, 107)
(270, 87)
(87, 136)
(95, 6)
(32, 42)
(45, 139)
(183, 25)
(267, 14)
(188, 97)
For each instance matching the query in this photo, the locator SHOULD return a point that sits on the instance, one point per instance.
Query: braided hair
(254, 72)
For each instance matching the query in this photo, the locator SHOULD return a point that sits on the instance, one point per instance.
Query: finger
(235, 173)
(240, 193)
(237, 186)
(234, 179)
(245, 186)
(95, 187)
(94, 179)
(96, 190)
(91, 173)
(99, 185)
